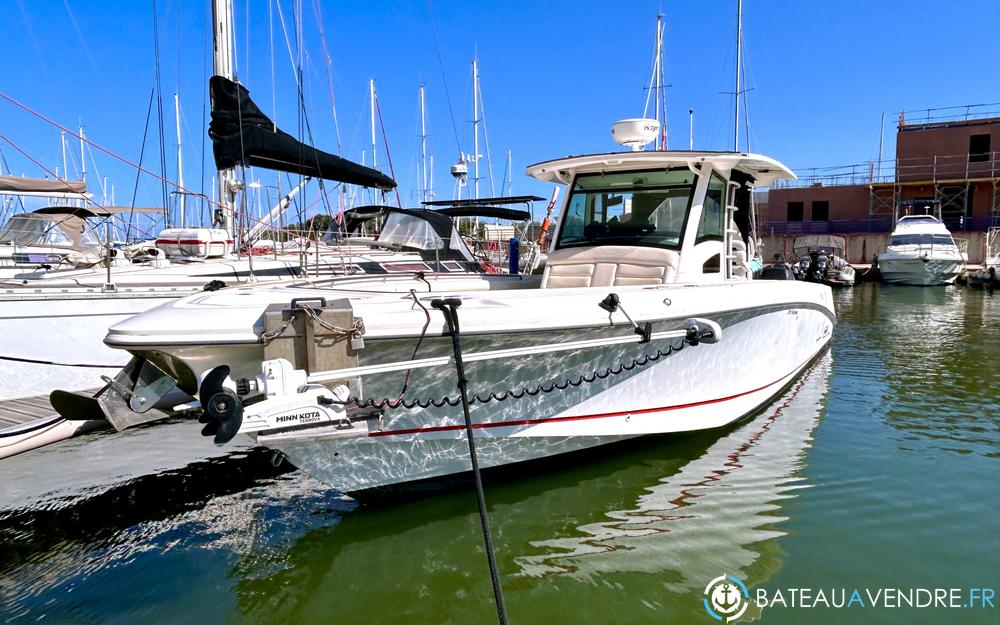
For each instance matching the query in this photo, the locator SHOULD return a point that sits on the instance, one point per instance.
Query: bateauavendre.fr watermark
(726, 598)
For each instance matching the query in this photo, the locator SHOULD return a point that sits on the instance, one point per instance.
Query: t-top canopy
(242, 134)
(487, 201)
(497, 212)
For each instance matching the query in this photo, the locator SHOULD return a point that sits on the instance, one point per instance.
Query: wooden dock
(24, 410)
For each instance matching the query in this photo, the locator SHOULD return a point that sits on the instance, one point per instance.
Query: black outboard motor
(822, 262)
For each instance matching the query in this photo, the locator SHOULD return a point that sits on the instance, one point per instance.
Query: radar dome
(635, 133)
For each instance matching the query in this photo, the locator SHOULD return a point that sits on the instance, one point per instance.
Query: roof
(764, 170)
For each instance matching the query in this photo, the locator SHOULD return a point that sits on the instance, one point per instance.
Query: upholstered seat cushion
(609, 265)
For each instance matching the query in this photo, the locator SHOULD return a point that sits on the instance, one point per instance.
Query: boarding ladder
(737, 257)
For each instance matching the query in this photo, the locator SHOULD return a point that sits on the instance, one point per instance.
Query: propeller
(223, 416)
(211, 384)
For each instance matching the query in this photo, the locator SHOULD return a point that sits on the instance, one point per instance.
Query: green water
(879, 468)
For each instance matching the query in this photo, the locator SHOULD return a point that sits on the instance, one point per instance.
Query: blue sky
(555, 75)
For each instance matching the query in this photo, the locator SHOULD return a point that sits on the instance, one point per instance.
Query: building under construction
(947, 159)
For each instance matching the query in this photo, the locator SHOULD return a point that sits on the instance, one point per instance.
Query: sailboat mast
(658, 74)
(475, 123)
(739, 62)
(222, 18)
(180, 162)
(423, 145)
(83, 161)
(371, 102)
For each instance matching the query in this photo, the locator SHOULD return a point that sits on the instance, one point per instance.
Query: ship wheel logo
(726, 598)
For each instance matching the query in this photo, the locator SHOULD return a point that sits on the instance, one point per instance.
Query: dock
(30, 422)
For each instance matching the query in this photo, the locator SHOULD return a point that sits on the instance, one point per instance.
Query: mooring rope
(34, 361)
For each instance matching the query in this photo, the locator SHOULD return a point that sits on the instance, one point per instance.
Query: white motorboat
(921, 252)
(645, 321)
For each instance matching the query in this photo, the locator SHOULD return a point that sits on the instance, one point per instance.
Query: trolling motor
(279, 397)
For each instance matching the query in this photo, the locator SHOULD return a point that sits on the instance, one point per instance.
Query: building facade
(946, 161)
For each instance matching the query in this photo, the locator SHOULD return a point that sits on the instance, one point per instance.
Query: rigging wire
(328, 65)
(486, 137)
(138, 171)
(444, 78)
(388, 155)
(159, 113)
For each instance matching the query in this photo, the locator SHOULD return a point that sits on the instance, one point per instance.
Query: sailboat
(646, 320)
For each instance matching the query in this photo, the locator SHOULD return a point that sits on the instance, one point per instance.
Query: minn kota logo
(726, 598)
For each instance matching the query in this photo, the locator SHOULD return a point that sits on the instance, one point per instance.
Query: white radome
(635, 133)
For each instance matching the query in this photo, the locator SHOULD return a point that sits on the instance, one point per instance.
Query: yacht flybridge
(646, 320)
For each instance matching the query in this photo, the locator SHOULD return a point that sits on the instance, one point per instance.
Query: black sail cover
(242, 134)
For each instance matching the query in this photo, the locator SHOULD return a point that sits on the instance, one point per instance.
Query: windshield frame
(692, 187)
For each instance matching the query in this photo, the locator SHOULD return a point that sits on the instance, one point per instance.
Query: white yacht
(645, 321)
(921, 252)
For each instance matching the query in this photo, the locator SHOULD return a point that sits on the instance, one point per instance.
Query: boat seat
(609, 265)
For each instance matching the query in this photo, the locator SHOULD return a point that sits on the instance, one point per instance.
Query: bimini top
(763, 169)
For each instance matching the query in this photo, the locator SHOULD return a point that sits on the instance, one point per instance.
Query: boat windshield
(49, 230)
(921, 239)
(646, 208)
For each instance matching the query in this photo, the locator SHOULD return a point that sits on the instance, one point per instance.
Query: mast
(739, 61)
(475, 124)
(83, 161)
(222, 18)
(180, 166)
(62, 140)
(423, 144)
(371, 101)
(881, 137)
(658, 70)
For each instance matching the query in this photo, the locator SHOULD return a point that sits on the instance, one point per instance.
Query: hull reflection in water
(712, 515)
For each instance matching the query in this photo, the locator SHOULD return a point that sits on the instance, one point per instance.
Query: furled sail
(17, 184)
(242, 134)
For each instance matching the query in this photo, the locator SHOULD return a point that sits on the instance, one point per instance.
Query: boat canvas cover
(819, 241)
(242, 134)
(69, 231)
(17, 184)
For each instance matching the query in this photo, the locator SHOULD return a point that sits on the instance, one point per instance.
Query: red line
(605, 415)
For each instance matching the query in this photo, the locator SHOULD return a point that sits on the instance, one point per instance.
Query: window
(646, 208)
(979, 148)
(821, 211)
(712, 211)
(921, 239)
(795, 211)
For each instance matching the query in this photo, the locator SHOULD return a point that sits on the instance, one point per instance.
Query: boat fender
(702, 331)
(214, 285)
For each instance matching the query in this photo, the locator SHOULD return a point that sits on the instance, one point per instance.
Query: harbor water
(878, 469)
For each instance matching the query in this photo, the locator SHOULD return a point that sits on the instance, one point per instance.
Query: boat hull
(918, 271)
(46, 339)
(696, 388)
